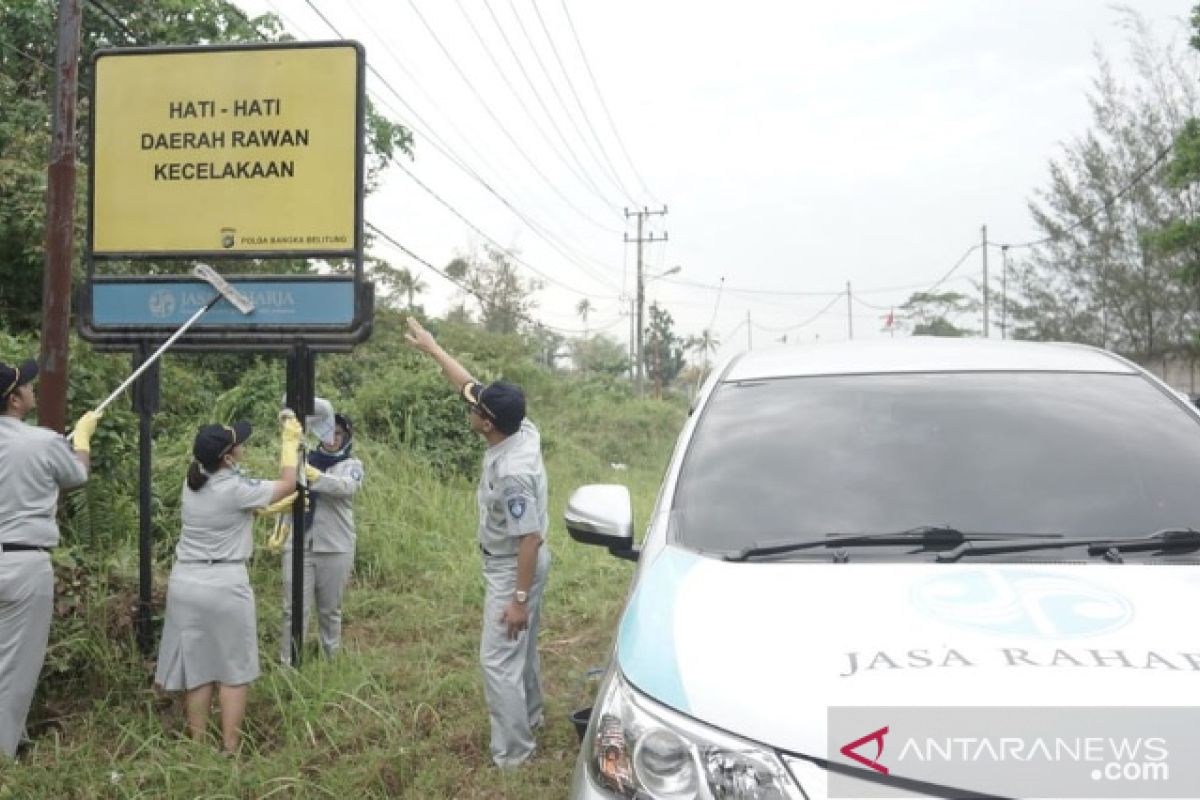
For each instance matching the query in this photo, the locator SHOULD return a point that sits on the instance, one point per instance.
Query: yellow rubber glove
(280, 533)
(311, 474)
(289, 442)
(81, 437)
(278, 507)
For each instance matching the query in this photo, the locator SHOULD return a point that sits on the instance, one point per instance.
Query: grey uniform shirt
(512, 493)
(218, 519)
(34, 464)
(333, 521)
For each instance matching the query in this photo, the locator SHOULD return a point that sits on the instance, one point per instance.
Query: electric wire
(467, 289)
(607, 114)
(115, 20)
(810, 320)
(503, 129)
(491, 240)
(1133, 182)
(537, 57)
(561, 246)
(578, 169)
(953, 269)
(582, 110)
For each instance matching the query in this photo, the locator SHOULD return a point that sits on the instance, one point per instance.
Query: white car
(918, 568)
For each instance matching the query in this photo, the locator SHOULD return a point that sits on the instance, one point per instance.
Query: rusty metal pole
(60, 223)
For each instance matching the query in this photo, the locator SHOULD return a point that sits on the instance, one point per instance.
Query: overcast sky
(797, 145)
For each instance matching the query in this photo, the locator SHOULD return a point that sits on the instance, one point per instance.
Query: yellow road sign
(227, 150)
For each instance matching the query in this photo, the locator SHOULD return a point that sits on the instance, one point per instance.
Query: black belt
(484, 550)
(9, 547)
(211, 561)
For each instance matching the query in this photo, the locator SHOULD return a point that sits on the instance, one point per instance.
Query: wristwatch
(521, 597)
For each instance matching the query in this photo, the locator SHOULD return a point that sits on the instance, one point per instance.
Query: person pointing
(513, 524)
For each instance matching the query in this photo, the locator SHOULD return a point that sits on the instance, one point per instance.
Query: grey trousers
(325, 575)
(26, 606)
(512, 672)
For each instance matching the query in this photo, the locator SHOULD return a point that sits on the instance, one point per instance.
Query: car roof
(923, 354)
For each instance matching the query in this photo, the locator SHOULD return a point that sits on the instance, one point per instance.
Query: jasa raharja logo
(162, 303)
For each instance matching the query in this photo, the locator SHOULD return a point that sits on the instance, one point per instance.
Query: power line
(424, 262)
(516, 145)
(115, 20)
(865, 304)
(1143, 172)
(479, 231)
(953, 269)
(789, 293)
(806, 322)
(583, 111)
(561, 246)
(578, 170)
(537, 57)
(607, 114)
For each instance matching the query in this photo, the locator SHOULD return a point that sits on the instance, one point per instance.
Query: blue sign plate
(277, 303)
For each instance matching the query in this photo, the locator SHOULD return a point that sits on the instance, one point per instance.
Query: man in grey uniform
(334, 477)
(513, 523)
(35, 463)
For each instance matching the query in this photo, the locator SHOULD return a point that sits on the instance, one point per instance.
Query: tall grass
(400, 713)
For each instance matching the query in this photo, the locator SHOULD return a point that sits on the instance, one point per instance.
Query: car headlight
(640, 749)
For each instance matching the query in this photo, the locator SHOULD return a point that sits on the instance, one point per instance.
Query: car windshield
(1022, 453)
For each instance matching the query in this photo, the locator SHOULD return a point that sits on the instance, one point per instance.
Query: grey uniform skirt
(210, 634)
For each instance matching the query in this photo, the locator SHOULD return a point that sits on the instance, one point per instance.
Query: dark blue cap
(12, 377)
(502, 403)
(214, 441)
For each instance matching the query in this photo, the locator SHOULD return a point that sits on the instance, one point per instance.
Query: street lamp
(641, 302)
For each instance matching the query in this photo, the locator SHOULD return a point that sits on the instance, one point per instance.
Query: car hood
(763, 650)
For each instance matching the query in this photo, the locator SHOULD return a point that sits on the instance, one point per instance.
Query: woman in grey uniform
(334, 476)
(35, 465)
(210, 637)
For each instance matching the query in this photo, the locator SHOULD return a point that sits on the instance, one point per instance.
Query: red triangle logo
(877, 737)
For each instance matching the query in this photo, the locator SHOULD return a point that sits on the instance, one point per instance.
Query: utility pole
(60, 214)
(985, 284)
(632, 337)
(1004, 292)
(641, 285)
(849, 311)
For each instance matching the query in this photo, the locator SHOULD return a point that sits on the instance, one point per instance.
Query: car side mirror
(602, 514)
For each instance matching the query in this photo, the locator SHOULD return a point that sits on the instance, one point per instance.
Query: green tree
(409, 283)
(546, 345)
(663, 349)
(490, 278)
(600, 354)
(1101, 275)
(932, 313)
(583, 308)
(1181, 236)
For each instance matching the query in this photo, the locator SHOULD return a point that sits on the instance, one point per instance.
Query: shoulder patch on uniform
(251, 482)
(516, 507)
(356, 473)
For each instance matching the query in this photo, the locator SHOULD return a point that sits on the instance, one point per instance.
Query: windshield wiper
(930, 537)
(1167, 539)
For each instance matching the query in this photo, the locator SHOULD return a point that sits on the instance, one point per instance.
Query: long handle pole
(154, 356)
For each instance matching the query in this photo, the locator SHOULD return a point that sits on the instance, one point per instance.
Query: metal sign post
(301, 383)
(146, 398)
